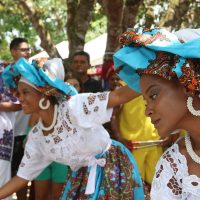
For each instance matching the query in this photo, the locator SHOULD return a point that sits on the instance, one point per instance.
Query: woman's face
(114, 82)
(74, 82)
(166, 103)
(29, 98)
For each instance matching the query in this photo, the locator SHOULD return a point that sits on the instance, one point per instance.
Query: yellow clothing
(147, 159)
(182, 133)
(135, 126)
(133, 123)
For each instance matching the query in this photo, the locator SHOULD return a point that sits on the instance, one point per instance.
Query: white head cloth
(24, 80)
(188, 34)
(54, 68)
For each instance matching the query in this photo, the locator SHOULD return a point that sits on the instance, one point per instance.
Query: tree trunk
(34, 17)
(78, 19)
(113, 11)
(149, 14)
(175, 14)
(130, 13)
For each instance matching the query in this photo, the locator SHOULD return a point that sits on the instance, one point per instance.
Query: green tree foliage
(13, 23)
(98, 23)
(54, 15)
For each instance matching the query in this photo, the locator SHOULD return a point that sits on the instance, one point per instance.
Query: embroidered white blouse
(78, 136)
(172, 180)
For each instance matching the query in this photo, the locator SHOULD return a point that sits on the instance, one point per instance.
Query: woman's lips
(155, 122)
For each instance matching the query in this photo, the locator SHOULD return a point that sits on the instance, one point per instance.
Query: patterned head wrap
(157, 52)
(45, 75)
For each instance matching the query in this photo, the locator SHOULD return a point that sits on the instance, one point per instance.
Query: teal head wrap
(48, 78)
(158, 52)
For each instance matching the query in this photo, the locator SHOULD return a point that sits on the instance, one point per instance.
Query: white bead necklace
(190, 150)
(53, 122)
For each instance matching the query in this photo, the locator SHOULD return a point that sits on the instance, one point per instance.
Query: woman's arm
(15, 184)
(121, 96)
(9, 107)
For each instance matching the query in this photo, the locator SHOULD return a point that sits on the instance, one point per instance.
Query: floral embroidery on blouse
(91, 99)
(102, 96)
(85, 108)
(6, 134)
(77, 137)
(172, 180)
(6, 144)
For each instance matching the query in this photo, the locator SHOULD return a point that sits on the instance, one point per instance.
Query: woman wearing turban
(70, 132)
(167, 73)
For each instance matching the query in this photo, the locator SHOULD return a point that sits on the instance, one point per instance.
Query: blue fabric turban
(42, 77)
(141, 47)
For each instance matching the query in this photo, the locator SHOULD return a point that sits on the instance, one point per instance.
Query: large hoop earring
(191, 108)
(44, 107)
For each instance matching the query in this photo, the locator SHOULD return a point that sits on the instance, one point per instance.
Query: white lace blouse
(172, 181)
(78, 136)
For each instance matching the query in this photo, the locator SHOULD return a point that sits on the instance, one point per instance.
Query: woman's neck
(46, 116)
(193, 130)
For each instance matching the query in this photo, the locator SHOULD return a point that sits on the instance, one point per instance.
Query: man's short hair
(16, 42)
(82, 53)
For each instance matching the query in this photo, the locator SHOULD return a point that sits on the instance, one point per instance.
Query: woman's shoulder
(172, 177)
(173, 156)
(176, 148)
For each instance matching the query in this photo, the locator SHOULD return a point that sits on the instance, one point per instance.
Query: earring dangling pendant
(191, 108)
(44, 107)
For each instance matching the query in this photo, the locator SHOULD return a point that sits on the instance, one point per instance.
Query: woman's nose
(148, 111)
(20, 97)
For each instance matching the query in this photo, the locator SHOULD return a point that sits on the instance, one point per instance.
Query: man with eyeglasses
(19, 47)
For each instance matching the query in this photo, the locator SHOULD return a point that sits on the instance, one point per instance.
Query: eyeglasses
(25, 50)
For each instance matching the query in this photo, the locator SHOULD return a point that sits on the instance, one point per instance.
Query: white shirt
(7, 120)
(172, 180)
(21, 123)
(77, 138)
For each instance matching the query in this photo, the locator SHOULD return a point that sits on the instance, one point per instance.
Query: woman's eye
(25, 92)
(153, 97)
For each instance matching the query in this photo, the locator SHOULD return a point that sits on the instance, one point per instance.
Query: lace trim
(186, 184)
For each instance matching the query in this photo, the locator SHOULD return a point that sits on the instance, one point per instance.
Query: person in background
(80, 65)
(72, 79)
(8, 105)
(70, 131)
(166, 72)
(135, 130)
(112, 82)
(19, 47)
(107, 69)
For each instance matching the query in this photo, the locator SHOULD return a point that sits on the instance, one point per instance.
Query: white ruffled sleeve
(33, 161)
(90, 109)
